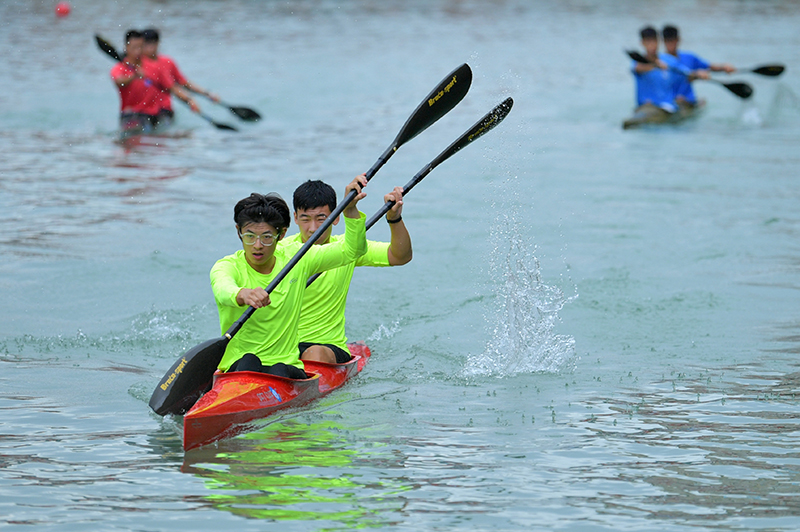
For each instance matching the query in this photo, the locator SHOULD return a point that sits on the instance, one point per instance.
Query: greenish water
(599, 329)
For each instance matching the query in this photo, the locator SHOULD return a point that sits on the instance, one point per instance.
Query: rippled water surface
(599, 330)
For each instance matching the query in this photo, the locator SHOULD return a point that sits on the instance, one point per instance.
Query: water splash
(524, 319)
(384, 332)
(166, 332)
(783, 100)
(751, 117)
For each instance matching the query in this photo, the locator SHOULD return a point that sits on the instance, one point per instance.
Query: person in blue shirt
(690, 67)
(653, 79)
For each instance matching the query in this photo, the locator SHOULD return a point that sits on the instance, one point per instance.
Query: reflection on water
(84, 185)
(716, 448)
(292, 471)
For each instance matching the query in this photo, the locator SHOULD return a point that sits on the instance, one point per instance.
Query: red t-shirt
(138, 95)
(165, 73)
(172, 69)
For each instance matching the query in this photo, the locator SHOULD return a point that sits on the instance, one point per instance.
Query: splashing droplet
(523, 321)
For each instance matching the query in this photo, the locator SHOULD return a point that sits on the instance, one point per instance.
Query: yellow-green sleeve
(377, 254)
(345, 251)
(223, 282)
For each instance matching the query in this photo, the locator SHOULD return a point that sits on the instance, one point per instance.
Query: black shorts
(137, 123)
(250, 362)
(342, 356)
(164, 118)
(140, 123)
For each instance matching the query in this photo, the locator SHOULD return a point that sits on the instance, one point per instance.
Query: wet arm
(181, 94)
(722, 67)
(197, 89)
(400, 251)
(400, 246)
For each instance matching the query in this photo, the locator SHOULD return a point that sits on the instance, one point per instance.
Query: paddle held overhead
(483, 126)
(191, 375)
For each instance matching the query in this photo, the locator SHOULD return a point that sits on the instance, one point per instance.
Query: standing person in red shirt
(142, 90)
(166, 71)
(138, 98)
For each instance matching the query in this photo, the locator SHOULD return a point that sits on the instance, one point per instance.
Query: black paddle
(764, 70)
(483, 126)
(109, 49)
(742, 90)
(191, 375)
(244, 113)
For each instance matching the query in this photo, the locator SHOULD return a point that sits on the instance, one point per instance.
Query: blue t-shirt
(655, 87)
(685, 63)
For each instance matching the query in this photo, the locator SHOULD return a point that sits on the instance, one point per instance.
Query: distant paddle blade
(107, 47)
(188, 378)
(438, 103)
(245, 113)
(742, 90)
(218, 125)
(769, 70)
(636, 56)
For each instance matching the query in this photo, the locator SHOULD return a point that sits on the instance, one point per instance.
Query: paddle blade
(107, 47)
(742, 90)
(438, 103)
(245, 113)
(481, 127)
(188, 378)
(636, 56)
(224, 127)
(769, 70)
(218, 125)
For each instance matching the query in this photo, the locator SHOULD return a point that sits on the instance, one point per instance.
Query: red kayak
(236, 399)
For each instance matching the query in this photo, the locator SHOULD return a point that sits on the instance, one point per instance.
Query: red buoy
(62, 9)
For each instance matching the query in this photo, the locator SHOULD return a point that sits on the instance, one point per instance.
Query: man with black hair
(682, 86)
(322, 323)
(163, 68)
(138, 99)
(653, 79)
(268, 340)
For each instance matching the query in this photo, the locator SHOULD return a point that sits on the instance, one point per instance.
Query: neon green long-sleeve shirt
(271, 332)
(322, 318)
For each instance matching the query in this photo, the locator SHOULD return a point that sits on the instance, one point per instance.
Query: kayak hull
(649, 114)
(239, 398)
